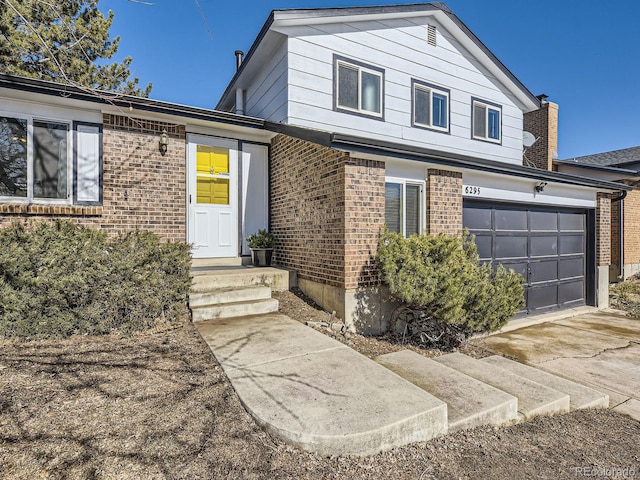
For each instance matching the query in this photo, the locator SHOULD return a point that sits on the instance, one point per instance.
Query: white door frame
(212, 248)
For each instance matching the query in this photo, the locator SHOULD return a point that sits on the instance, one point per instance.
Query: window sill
(35, 209)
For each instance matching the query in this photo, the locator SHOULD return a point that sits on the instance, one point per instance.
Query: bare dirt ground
(159, 406)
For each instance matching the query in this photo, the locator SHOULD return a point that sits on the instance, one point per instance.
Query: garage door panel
(518, 267)
(510, 247)
(572, 222)
(543, 296)
(543, 271)
(544, 246)
(572, 244)
(509, 220)
(572, 292)
(570, 267)
(476, 218)
(484, 244)
(543, 221)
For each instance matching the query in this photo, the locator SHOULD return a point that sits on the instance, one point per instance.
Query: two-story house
(400, 116)
(337, 123)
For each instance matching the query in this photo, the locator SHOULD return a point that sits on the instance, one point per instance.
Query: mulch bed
(159, 406)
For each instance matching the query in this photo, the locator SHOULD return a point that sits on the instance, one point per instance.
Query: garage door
(546, 246)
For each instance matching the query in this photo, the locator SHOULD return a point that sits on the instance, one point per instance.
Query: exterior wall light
(164, 142)
(540, 187)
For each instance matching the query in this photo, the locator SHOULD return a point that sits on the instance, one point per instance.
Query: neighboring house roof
(625, 156)
(125, 101)
(388, 149)
(264, 42)
(596, 167)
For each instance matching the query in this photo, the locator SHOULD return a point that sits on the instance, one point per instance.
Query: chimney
(239, 54)
(543, 124)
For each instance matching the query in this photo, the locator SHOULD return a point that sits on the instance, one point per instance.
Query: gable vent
(431, 35)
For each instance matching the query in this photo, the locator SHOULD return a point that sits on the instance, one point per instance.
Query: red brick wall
(543, 124)
(141, 188)
(603, 229)
(364, 215)
(631, 209)
(327, 211)
(444, 202)
(615, 234)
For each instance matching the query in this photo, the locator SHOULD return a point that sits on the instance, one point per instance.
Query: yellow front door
(213, 197)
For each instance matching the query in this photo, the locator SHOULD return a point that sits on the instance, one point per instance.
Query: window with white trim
(37, 161)
(358, 88)
(430, 106)
(486, 121)
(404, 206)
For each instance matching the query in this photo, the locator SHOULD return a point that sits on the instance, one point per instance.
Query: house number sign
(471, 190)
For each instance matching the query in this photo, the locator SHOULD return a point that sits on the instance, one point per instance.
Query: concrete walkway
(317, 393)
(600, 350)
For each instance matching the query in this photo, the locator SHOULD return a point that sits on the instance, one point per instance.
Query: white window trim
(360, 69)
(423, 201)
(431, 90)
(487, 107)
(30, 197)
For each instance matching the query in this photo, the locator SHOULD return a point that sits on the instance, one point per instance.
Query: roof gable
(269, 37)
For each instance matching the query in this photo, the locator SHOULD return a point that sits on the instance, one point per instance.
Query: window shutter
(88, 165)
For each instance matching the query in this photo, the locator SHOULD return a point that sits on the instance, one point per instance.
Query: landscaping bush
(58, 279)
(440, 279)
(626, 296)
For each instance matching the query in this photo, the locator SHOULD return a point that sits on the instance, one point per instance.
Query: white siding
(400, 47)
(266, 97)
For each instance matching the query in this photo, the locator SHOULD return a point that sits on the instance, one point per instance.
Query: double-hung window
(404, 206)
(430, 106)
(41, 163)
(486, 121)
(359, 88)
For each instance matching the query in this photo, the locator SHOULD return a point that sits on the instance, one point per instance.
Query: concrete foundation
(366, 310)
(631, 269)
(602, 296)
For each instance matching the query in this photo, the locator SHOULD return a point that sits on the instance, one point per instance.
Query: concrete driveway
(600, 350)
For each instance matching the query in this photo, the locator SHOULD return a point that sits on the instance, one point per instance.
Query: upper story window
(38, 163)
(358, 88)
(430, 106)
(486, 121)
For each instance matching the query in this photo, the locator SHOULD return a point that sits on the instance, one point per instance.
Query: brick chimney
(543, 124)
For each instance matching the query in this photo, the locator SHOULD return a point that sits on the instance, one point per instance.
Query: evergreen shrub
(58, 279)
(441, 277)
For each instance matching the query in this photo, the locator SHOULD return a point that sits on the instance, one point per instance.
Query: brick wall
(631, 209)
(543, 124)
(327, 211)
(603, 229)
(444, 202)
(364, 220)
(141, 188)
(615, 236)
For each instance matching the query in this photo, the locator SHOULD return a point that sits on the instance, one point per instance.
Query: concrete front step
(235, 309)
(470, 402)
(276, 278)
(579, 395)
(533, 397)
(228, 295)
(317, 393)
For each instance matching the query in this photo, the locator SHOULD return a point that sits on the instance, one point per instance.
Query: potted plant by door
(261, 246)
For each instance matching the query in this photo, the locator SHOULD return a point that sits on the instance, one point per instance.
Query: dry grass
(159, 406)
